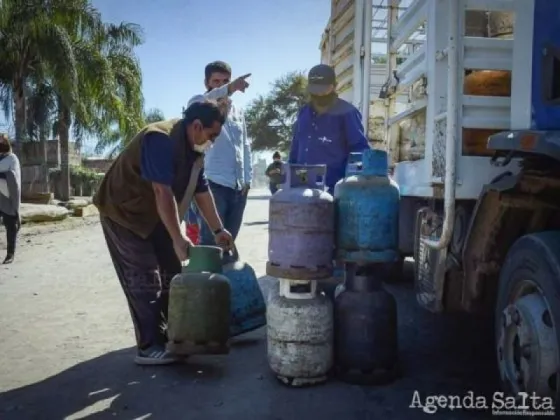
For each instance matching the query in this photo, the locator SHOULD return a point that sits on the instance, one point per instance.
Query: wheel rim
(527, 346)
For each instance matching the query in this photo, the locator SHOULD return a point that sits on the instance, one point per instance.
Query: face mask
(323, 101)
(202, 148)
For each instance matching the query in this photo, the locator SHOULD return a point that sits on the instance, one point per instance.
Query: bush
(83, 181)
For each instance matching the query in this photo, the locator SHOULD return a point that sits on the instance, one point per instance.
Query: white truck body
(439, 59)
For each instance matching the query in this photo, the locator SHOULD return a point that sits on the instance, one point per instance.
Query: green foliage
(63, 69)
(80, 177)
(114, 141)
(270, 118)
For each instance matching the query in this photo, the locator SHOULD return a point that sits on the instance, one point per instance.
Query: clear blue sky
(266, 38)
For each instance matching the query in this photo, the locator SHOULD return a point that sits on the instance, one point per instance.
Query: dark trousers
(230, 204)
(11, 223)
(145, 268)
(273, 188)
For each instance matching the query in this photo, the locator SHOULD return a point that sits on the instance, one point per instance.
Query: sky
(264, 38)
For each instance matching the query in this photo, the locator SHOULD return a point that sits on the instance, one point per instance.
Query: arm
(268, 169)
(294, 146)
(354, 131)
(247, 161)
(156, 166)
(213, 95)
(205, 203)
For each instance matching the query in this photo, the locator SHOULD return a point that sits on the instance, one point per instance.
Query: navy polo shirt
(157, 161)
(328, 138)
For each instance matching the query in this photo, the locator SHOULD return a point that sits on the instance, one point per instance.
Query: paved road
(66, 350)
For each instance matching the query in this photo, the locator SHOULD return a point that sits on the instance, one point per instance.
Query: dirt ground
(66, 348)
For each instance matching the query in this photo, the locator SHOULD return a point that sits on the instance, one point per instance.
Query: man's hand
(182, 246)
(224, 239)
(275, 171)
(224, 104)
(245, 189)
(239, 84)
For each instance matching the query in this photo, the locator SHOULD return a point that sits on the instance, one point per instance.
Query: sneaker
(155, 355)
(9, 259)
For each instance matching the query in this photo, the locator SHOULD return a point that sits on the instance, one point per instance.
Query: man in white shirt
(227, 164)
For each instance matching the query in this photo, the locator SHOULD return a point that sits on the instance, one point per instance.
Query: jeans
(230, 204)
(273, 188)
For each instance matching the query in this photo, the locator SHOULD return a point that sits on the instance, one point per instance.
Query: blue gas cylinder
(367, 212)
(248, 307)
(354, 163)
(301, 226)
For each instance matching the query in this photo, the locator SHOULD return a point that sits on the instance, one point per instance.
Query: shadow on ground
(439, 355)
(262, 222)
(258, 197)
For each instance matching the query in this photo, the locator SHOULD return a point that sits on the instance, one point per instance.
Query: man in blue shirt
(228, 163)
(328, 129)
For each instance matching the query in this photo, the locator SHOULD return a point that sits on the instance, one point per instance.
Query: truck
(466, 101)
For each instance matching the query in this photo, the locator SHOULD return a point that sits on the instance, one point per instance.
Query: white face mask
(202, 148)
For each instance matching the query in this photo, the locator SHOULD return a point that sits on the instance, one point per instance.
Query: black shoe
(9, 259)
(156, 355)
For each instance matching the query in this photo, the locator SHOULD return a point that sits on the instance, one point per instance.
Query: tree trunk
(63, 135)
(43, 138)
(19, 112)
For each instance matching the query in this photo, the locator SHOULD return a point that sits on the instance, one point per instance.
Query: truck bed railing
(438, 67)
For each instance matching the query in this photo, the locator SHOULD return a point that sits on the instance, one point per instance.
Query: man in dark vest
(141, 200)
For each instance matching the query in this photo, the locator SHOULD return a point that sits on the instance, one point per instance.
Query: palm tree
(109, 89)
(116, 140)
(39, 121)
(34, 38)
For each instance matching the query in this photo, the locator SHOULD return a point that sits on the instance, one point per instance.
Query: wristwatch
(218, 231)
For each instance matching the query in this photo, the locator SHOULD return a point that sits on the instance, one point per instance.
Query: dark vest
(128, 199)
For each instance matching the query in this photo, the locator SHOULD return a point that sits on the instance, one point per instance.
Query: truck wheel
(527, 318)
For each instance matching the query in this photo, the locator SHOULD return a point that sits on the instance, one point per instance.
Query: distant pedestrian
(142, 200)
(274, 173)
(10, 195)
(328, 129)
(227, 164)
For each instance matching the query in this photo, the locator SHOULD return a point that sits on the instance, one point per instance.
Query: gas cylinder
(199, 305)
(248, 308)
(299, 333)
(367, 212)
(366, 342)
(330, 285)
(301, 226)
(354, 163)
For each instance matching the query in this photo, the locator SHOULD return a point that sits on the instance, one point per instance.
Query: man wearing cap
(328, 129)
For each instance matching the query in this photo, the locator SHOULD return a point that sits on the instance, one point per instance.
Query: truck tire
(527, 316)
